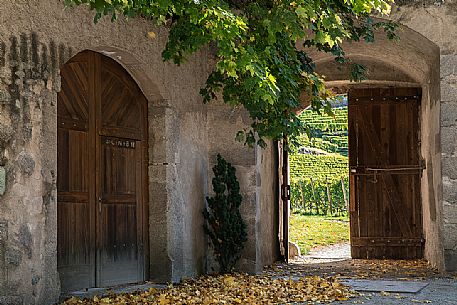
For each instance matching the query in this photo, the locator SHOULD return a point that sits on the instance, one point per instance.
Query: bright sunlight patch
(317, 231)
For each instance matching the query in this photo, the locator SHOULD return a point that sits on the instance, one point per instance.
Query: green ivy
(260, 48)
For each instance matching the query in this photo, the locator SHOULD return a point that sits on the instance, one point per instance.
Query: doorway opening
(379, 180)
(102, 175)
(319, 179)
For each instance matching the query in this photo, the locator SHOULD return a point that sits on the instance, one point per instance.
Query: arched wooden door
(102, 181)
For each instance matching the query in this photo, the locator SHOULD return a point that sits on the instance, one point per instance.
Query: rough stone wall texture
(257, 174)
(267, 205)
(436, 20)
(36, 38)
(28, 80)
(413, 61)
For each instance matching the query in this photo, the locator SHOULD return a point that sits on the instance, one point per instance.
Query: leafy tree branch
(260, 49)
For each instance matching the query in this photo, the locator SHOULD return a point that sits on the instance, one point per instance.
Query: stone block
(450, 213)
(448, 139)
(448, 64)
(450, 260)
(450, 236)
(448, 113)
(448, 90)
(449, 167)
(11, 301)
(449, 190)
(164, 135)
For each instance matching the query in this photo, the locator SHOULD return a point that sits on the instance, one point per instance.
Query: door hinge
(423, 163)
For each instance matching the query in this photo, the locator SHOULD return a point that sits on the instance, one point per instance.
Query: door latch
(285, 192)
(100, 204)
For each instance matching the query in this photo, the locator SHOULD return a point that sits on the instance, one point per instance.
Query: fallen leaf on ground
(234, 289)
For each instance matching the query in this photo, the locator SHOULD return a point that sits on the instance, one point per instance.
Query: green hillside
(318, 176)
(326, 132)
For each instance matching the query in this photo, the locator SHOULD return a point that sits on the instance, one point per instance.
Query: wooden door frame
(283, 198)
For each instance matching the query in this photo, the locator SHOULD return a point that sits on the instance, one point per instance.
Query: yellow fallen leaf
(152, 35)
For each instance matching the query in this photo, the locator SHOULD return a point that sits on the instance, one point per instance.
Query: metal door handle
(99, 204)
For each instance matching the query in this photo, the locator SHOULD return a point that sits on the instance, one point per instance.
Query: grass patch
(314, 231)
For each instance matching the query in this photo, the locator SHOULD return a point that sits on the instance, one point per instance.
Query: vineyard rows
(319, 183)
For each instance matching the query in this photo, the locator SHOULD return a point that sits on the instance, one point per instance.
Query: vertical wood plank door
(385, 173)
(102, 184)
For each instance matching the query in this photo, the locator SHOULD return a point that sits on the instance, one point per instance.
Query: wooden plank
(87, 231)
(391, 189)
(121, 114)
(383, 129)
(74, 239)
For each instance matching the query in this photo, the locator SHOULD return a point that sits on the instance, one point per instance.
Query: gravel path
(337, 252)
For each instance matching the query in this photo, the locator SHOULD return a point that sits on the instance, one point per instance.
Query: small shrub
(224, 224)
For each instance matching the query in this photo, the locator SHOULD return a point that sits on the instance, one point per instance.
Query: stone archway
(411, 62)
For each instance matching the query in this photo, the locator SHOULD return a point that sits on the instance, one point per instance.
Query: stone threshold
(105, 291)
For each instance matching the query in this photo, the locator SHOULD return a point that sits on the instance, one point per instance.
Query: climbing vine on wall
(260, 49)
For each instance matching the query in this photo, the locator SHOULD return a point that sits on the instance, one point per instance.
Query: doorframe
(283, 197)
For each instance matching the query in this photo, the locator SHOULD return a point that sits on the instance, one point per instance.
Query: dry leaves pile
(358, 268)
(235, 289)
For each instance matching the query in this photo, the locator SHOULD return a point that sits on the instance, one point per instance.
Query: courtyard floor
(318, 274)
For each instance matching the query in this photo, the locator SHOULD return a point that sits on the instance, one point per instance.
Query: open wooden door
(284, 198)
(102, 182)
(385, 172)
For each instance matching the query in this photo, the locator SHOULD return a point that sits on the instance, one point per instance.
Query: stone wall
(36, 39)
(412, 61)
(436, 20)
(256, 170)
(28, 82)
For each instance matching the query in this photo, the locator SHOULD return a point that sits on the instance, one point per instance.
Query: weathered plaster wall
(413, 61)
(36, 38)
(438, 22)
(256, 172)
(267, 205)
(223, 123)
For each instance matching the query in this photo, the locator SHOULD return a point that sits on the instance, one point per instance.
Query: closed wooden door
(101, 174)
(385, 173)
